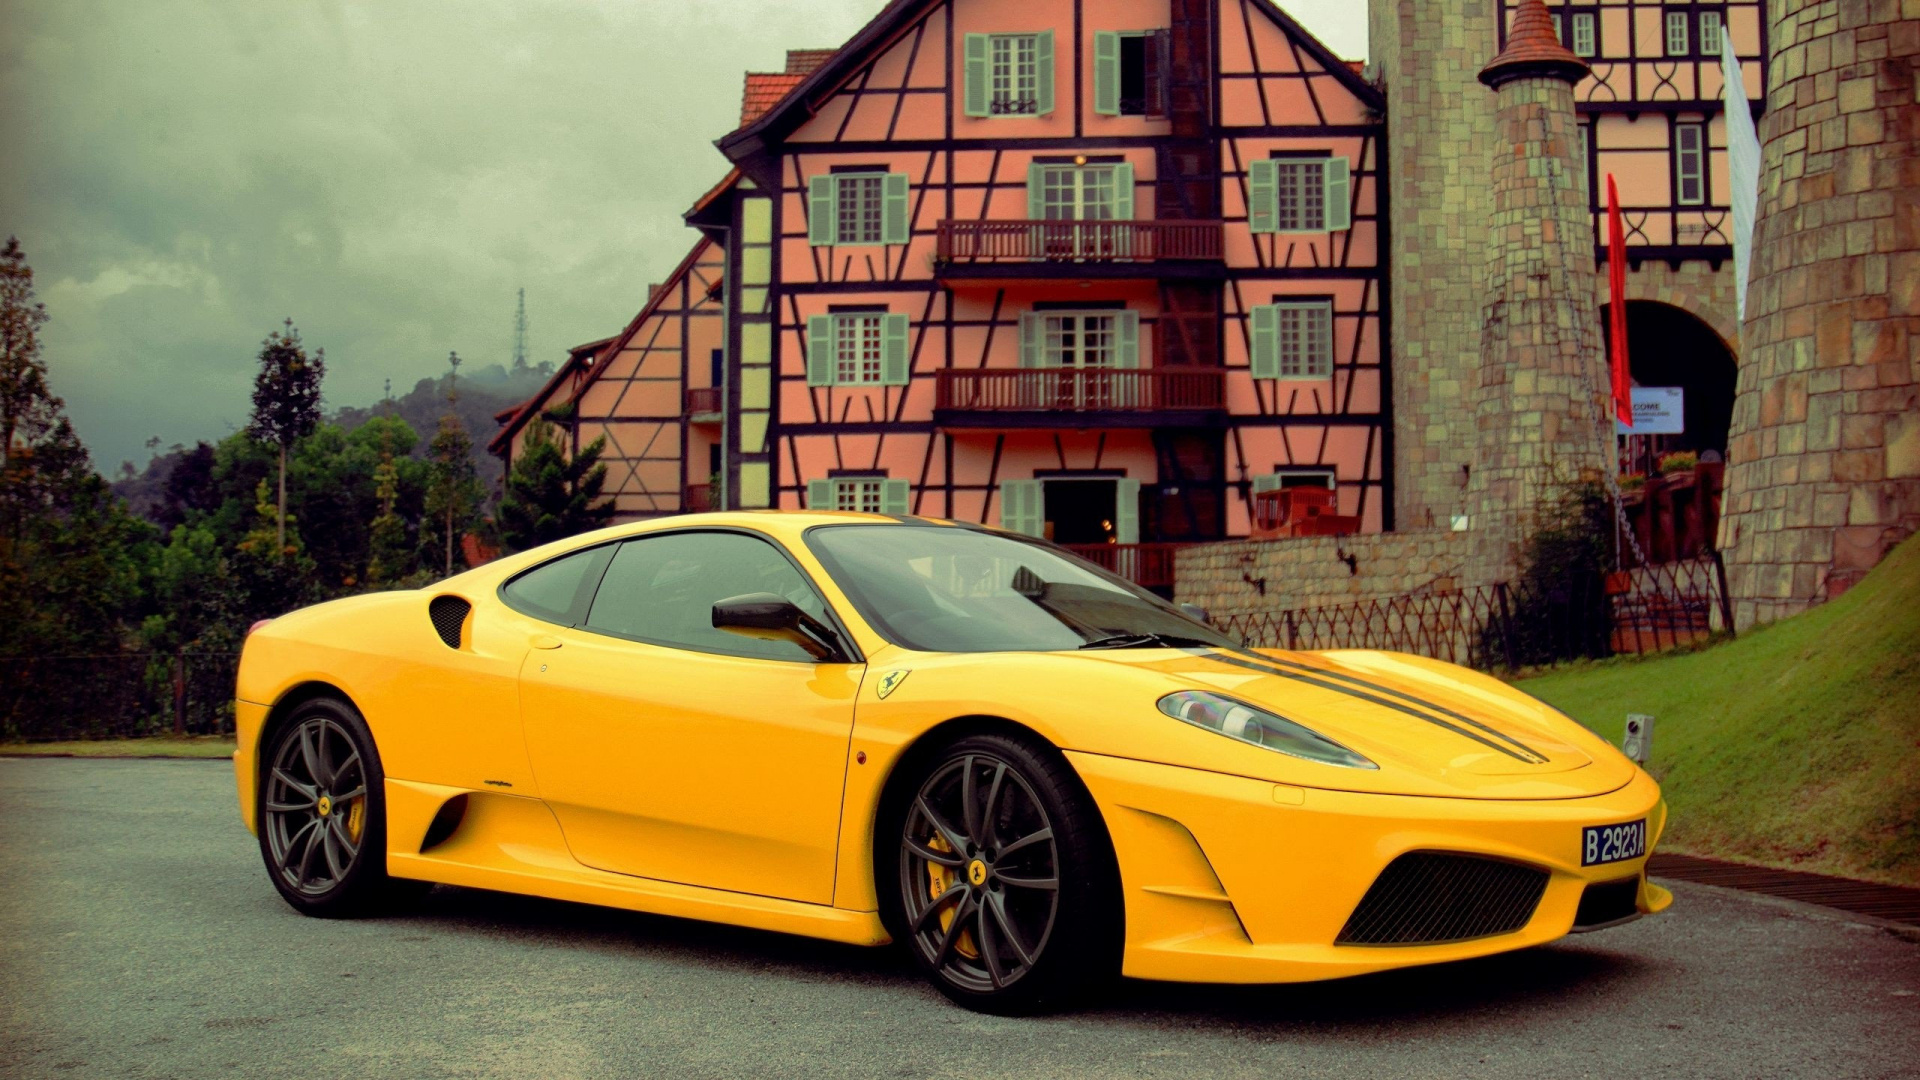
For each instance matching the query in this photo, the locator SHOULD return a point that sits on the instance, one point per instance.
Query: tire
(322, 814)
(1015, 907)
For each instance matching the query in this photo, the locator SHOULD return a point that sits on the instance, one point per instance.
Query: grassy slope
(1795, 745)
(191, 746)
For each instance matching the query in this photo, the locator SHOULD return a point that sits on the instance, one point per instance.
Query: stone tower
(1425, 54)
(1540, 399)
(1823, 473)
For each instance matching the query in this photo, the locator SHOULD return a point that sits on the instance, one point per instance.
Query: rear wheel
(322, 814)
(1004, 886)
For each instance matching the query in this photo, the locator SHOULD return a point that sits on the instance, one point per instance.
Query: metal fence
(116, 695)
(1510, 626)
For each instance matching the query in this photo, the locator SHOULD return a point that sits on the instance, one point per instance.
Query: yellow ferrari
(870, 729)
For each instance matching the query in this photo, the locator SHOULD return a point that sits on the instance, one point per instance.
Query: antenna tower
(520, 334)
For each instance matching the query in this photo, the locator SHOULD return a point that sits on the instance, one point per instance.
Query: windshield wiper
(1136, 641)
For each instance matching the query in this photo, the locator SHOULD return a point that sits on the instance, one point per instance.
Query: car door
(672, 750)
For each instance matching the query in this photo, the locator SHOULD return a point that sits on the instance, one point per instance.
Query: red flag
(1617, 306)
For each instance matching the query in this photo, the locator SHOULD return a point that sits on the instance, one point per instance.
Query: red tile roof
(807, 61)
(1533, 49)
(764, 91)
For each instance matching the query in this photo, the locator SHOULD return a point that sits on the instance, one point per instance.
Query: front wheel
(1006, 894)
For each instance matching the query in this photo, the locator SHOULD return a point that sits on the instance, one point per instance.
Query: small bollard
(1638, 743)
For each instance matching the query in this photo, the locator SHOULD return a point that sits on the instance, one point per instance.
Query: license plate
(1613, 843)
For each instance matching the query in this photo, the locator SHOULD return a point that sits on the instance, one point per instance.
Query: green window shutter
(1266, 482)
(1265, 358)
(1127, 327)
(894, 359)
(895, 228)
(820, 495)
(1126, 517)
(1261, 177)
(820, 350)
(1123, 191)
(1036, 191)
(976, 75)
(893, 497)
(1043, 65)
(823, 210)
(1031, 331)
(1106, 73)
(1339, 214)
(1020, 507)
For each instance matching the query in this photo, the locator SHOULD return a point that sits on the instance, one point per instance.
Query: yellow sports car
(869, 728)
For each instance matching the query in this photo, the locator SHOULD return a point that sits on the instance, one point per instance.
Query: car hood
(1432, 728)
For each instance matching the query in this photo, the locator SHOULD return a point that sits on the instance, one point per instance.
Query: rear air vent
(449, 615)
(1428, 897)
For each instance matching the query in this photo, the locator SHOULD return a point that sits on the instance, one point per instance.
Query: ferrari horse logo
(890, 680)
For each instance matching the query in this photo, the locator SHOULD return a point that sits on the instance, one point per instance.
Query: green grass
(168, 746)
(1795, 745)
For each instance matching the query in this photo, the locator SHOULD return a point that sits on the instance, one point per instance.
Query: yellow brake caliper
(357, 818)
(942, 878)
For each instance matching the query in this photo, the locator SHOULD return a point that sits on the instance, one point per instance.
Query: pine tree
(286, 401)
(453, 488)
(387, 533)
(27, 408)
(549, 496)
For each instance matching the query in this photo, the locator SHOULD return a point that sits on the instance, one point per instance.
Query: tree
(453, 487)
(387, 556)
(286, 401)
(27, 407)
(549, 496)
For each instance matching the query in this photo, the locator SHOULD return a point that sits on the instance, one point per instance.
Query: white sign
(1657, 410)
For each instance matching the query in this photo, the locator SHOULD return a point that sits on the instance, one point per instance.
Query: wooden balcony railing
(696, 499)
(1147, 565)
(1080, 389)
(1076, 241)
(705, 399)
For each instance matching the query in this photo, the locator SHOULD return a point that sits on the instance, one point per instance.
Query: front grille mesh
(449, 615)
(1428, 897)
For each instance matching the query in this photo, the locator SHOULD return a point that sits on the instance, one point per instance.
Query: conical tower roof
(1533, 49)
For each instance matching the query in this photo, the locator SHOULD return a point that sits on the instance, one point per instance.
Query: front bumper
(1235, 880)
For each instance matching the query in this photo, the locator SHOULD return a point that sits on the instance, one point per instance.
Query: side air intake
(449, 615)
(1428, 897)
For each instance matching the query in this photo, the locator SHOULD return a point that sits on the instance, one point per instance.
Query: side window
(1298, 194)
(554, 591)
(661, 590)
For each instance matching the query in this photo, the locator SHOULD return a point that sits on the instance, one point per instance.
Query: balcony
(1149, 566)
(696, 498)
(1079, 249)
(1080, 397)
(704, 402)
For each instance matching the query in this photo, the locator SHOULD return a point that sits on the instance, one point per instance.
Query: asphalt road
(139, 938)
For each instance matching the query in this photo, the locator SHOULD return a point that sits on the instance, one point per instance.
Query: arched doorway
(1669, 346)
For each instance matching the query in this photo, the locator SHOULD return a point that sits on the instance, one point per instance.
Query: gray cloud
(186, 173)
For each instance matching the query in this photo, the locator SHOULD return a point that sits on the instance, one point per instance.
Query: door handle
(544, 641)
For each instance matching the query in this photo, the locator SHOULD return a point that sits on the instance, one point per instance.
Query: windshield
(937, 588)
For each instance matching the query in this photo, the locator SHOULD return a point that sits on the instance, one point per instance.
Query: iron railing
(116, 695)
(1146, 565)
(1081, 389)
(1076, 241)
(702, 400)
(1509, 626)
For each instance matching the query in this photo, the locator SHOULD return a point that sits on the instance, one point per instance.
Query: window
(1009, 74)
(555, 592)
(1559, 31)
(1582, 158)
(863, 348)
(864, 207)
(1584, 39)
(1293, 339)
(1679, 40)
(862, 494)
(1298, 194)
(1710, 33)
(1128, 69)
(1283, 479)
(1690, 164)
(1078, 193)
(661, 590)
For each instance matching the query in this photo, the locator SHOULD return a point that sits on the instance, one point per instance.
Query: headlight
(1238, 720)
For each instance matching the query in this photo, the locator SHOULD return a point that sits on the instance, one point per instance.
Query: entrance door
(672, 750)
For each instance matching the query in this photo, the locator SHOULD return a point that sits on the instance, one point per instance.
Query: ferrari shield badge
(890, 680)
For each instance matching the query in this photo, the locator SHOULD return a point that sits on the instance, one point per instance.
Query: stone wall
(1696, 288)
(1823, 472)
(1313, 571)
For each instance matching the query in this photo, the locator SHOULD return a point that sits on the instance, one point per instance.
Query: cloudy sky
(186, 173)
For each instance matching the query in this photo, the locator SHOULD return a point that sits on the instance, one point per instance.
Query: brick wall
(1310, 571)
(1823, 472)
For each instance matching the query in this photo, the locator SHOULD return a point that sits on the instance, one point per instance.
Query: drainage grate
(1428, 897)
(1895, 903)
(449, 615)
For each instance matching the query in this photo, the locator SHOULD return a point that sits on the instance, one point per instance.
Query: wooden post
(180, 693)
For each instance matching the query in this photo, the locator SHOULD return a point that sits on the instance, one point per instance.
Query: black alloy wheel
(1005, 886)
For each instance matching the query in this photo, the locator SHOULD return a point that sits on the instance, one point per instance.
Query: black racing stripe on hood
(1294, 665)
(1266, 667)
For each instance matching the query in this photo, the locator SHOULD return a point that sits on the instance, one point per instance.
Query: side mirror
(772, 617)
(1196, 613)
